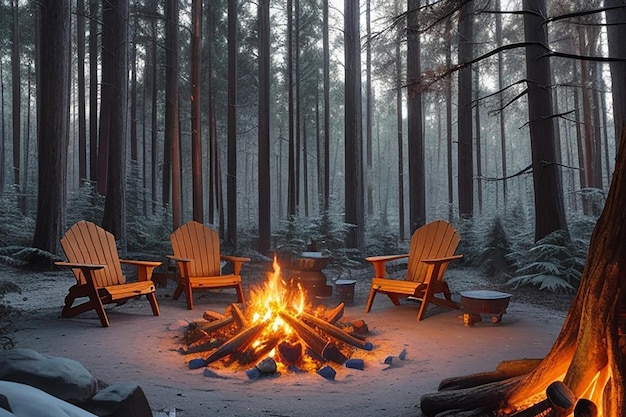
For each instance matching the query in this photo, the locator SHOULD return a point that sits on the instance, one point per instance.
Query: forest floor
(143, 349)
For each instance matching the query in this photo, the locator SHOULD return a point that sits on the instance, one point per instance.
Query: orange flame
(274, 296)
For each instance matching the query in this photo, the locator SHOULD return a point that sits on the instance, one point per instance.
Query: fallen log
(479, 397)
(504, 370)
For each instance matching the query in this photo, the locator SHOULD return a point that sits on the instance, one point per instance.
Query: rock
(27, 401)
(120, 400)
(197, 363)
(267, 366)
(360, 327)
(327, 372)
(63, 378)
(355, 364)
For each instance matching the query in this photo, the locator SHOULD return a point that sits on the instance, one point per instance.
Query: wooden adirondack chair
(197, 253)
(432, 250)
(92, 255)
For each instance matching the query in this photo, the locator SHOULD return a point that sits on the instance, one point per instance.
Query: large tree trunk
(82, 114)
(53, 122)
(588, 355)
(196, 122)
(616, 33)
(16, 85)
(93, 90)
(417, 178)
(115, 34)
(171, 152)
(400, 130)
(231, 164)
(292, 187)
(353, 129)
(465, 137)
(326, 110)
(264, 188)
(549, 210)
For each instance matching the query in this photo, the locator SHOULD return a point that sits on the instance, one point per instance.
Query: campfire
(277, 331)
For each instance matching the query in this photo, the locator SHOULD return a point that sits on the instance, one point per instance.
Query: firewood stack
(316, 339)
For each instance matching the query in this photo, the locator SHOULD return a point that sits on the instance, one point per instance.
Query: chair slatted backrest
(201, 244)
(434, 240)
(87, 243)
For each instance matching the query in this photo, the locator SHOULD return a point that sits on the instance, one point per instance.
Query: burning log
(585, 408)
(332, 316)
(254, 353)
(211, 315)
(238, 315)
(238, 343)
(336, 332)
(321, 347)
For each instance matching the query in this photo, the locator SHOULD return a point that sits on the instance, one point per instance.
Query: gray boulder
(62, 378)
(26, 401)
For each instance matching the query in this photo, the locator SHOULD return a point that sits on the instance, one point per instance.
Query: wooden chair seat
(432, 249)
(196, 250)
(92, 254)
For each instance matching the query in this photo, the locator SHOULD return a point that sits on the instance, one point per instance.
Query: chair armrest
(436, 266)
(140, 263)
(379, 263)
(177, 259)
(144, 268)
(91, 267)
(237, 262)
(441, 260)
(235, 258)
(85, 269)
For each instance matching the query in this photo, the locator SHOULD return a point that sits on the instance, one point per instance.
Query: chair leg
(189, 296)
(370, 300)
(99, 307)
(240, 296)
(178, 291)
(426, 299)
(153, 303)
(76, 291)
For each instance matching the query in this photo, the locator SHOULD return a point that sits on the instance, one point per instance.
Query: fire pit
(277, 331)
(307, 270)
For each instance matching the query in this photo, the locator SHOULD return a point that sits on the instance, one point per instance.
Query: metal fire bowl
(485, 302)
